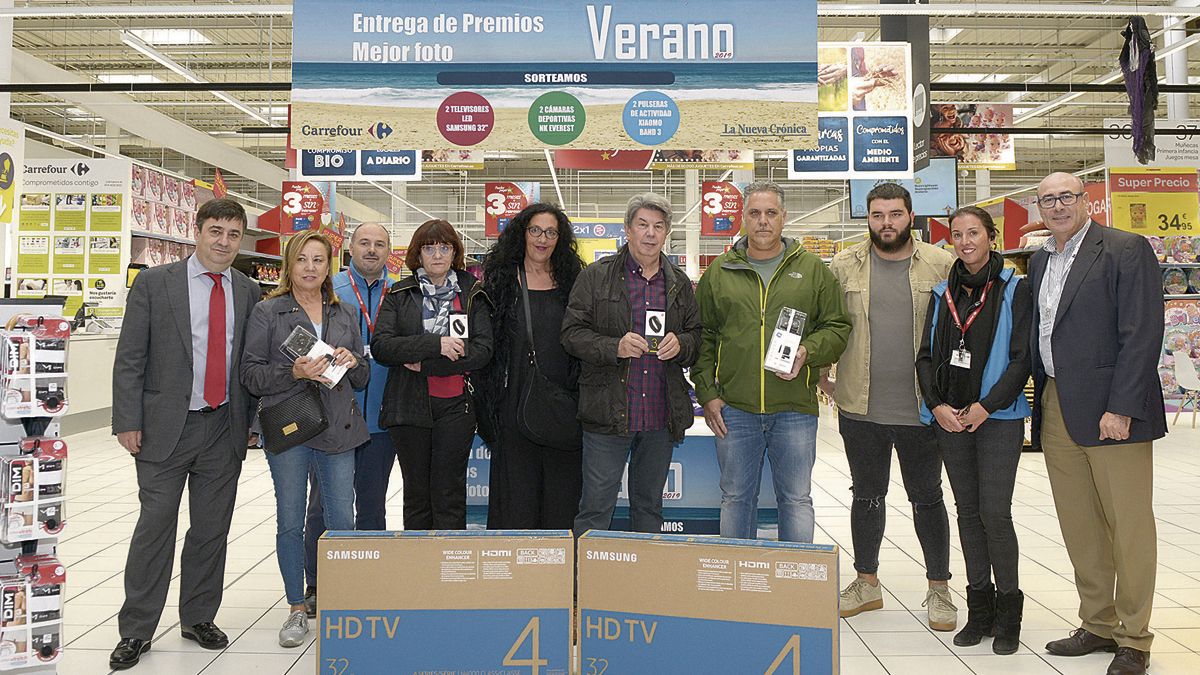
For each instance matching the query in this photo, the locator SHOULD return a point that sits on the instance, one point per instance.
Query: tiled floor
(103, 509)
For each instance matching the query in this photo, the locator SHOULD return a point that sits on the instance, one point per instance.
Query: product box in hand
(460, 601)
(303, 343)
(785, 340)
(687, 604)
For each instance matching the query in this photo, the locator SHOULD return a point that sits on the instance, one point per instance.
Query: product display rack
(12, 434)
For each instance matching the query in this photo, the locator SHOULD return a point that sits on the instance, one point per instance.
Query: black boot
(1009, 607)
(981, 616)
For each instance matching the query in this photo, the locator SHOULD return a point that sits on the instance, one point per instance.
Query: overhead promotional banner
(721, 208)
(1169, 149)
(994, 152)
(503, 201)
(454, 159)
(305, 205)
(865, 103)
(640, 160)
(629, 74)
(359, 165)
(1154, 200)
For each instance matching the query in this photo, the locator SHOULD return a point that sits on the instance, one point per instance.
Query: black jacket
(598, 315)
(400, 338)
(1107, 337)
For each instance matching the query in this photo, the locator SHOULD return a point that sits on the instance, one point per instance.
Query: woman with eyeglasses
(532, 486)
(972, 366)
(433, 329)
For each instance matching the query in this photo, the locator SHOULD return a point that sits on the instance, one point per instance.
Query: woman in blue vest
(973, 365)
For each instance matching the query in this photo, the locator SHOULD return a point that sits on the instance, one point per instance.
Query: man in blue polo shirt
(363, 285)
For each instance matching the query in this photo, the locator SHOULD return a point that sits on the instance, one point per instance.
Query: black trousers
(532, 486)
(433, 461)
(204, 461)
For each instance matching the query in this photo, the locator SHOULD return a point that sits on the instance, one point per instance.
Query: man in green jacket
(751, 410)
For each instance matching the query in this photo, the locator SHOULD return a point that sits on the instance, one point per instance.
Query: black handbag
(293, 421)
(547, 413)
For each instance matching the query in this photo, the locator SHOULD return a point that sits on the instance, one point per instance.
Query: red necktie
(214, 369)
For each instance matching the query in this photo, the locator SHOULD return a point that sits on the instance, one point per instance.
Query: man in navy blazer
(1096, 342)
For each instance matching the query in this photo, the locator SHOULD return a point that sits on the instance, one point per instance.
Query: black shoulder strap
(528, 321)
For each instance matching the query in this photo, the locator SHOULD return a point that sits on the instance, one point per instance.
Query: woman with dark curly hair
(531, 485)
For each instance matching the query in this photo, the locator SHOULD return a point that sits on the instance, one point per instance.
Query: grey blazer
(267, 371)
(152, 373)
(1107, 337)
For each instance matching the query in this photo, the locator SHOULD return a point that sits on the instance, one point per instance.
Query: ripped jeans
(869, 453)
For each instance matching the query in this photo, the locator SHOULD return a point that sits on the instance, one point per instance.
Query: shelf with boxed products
(164, 237)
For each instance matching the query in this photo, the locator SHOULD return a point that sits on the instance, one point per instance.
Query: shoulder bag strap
(528, 320)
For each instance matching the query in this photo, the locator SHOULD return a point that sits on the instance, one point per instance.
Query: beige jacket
(852, 267)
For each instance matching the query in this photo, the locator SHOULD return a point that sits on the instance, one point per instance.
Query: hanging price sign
(1154, 201)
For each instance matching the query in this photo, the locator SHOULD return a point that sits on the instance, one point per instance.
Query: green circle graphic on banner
(556, 118)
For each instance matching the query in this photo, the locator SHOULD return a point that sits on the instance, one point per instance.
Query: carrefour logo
(380, 130)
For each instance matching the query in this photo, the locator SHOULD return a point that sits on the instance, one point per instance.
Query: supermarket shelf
(260, 282)
(261, 256)
(164, 237)
(1182, 296)
(1021, 251)
(1171, 264)
(255, 232)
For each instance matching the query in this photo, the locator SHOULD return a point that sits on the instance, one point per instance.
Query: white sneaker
(295, 629)
(943, 615)
(860, 596)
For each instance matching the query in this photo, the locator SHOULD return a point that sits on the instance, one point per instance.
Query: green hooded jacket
(738, 313)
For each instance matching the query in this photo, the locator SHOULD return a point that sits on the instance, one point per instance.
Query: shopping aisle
(895, 640)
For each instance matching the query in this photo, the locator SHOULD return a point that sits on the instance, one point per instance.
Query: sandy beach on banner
(701, 125)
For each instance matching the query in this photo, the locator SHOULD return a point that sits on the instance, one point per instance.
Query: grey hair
(648, 200)
(764, 186)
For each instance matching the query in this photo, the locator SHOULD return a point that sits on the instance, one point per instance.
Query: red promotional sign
(302, 204)
(721, 209)
(939, 232)
(336, 239)
(1097, 196)
(505, 200)
(395, 261)
(219, 189)
(603, 160)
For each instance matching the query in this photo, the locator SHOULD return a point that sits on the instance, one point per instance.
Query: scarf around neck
(958, 386)
(436, 302)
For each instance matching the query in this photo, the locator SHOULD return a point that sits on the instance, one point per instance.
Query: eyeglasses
(435, 250)
(549, 233)
(1047, 201)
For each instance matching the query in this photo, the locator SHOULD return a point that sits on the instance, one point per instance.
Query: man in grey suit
(181, 412)
(1095, 353)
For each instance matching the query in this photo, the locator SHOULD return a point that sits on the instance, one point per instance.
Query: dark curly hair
(500, 282)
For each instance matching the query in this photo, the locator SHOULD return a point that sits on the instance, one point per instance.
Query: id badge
(459, 327)
(960, 358)
(656, 329)
(367, 350)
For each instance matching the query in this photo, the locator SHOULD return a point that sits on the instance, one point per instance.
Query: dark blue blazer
(1107, 337)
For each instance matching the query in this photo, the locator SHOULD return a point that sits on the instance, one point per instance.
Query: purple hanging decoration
(1141, 83)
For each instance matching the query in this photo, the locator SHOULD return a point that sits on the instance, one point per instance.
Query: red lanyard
(963, 327)
(369, 316)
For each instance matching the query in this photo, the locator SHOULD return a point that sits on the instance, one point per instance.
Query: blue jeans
(789, 441)
(649, 454)
(289, 471)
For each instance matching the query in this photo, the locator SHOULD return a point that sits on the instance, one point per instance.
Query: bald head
(1062, 219)
(369, 248)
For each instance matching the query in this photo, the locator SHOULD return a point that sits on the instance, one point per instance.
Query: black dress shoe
(1079, 643)
(207, 635)
(1129, 661)
(127, 654)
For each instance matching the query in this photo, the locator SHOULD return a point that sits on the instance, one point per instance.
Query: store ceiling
(1019, 47)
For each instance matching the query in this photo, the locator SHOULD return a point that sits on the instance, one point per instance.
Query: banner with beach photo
(624, 74)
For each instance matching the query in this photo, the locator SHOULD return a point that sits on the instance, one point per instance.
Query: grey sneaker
(943, 615)
(310, 602)
(295, 630)
(860, 596)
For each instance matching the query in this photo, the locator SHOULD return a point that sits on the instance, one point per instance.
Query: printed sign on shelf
(503, 200)
(381, 75)
(865, 103)
(721, 208)
(1157, 201)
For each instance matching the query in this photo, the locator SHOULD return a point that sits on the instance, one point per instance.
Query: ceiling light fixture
(179, 69)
